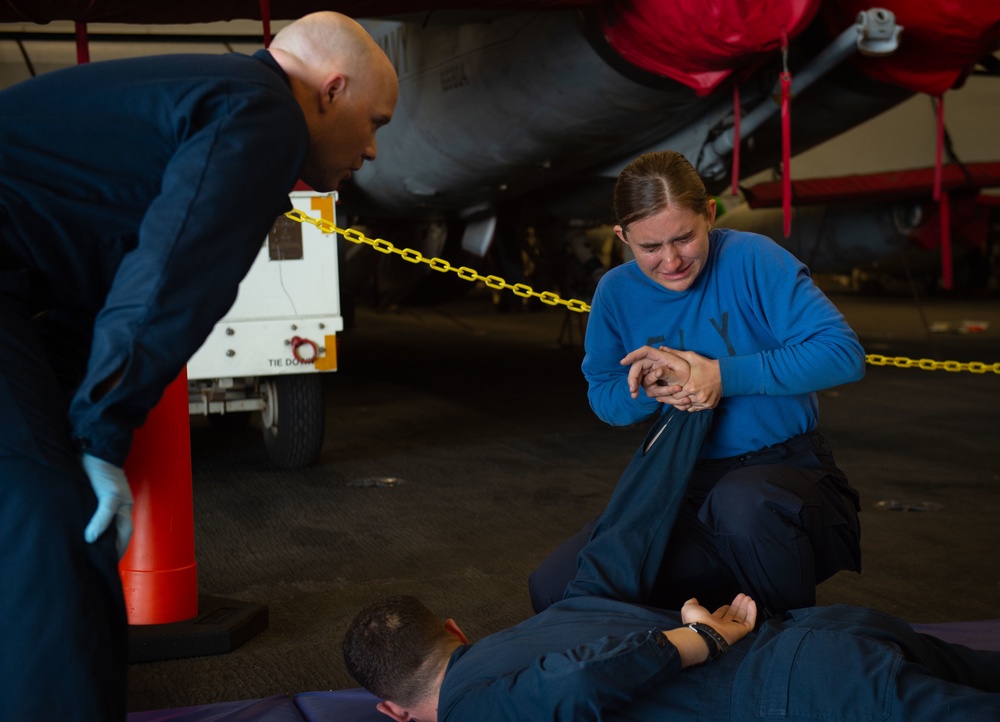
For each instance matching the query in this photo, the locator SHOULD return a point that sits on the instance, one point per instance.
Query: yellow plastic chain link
(497, 283)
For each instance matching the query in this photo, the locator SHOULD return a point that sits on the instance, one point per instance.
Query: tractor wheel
(293, 419)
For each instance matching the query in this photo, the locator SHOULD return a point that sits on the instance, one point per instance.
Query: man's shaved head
(347, 89)
(326, 39)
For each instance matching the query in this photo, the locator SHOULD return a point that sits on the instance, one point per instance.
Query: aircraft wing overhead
(510, 109)
(534, 98)
(204, 11)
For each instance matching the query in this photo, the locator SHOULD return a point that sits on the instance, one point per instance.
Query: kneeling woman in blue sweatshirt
(725, 320)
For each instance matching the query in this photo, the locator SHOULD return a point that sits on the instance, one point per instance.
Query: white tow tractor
(267, 353)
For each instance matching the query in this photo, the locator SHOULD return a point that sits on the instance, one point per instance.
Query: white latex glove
(114, 501)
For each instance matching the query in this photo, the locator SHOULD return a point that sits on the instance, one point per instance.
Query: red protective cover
(700, 44)
(941, 42)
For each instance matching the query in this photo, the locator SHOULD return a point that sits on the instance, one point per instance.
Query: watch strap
(717, 644)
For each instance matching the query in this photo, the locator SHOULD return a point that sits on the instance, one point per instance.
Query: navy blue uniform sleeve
(625, 550)
(221, 191)
(575, 685)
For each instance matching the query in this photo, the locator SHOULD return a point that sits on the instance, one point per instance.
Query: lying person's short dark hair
(386, 647)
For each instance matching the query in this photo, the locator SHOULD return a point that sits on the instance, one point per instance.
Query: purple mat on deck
(346, 705)
(978, 635)
(357, 705)
(270, 709)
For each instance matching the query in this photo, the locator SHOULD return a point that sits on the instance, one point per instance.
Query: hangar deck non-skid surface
(481, 421)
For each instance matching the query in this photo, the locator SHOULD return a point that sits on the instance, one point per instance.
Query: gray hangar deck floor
(483, 418)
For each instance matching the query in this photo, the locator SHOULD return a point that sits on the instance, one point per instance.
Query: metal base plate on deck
(221, 626)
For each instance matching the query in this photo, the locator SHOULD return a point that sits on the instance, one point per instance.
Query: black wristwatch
(717, 644)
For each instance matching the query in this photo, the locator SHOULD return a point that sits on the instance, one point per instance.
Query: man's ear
(452, 628)
(391, 709)
(333, 85)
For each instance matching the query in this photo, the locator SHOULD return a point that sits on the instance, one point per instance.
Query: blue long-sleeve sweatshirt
(755, 308)
(137, 193)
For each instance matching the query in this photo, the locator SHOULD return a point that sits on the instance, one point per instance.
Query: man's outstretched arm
(582, 683)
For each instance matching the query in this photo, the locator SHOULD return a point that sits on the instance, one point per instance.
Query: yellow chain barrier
(901, 362)
(522, 290)
(440, 264)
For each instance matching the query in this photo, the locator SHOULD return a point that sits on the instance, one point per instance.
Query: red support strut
(158, 572)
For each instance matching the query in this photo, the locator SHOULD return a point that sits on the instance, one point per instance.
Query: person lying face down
(601, 654)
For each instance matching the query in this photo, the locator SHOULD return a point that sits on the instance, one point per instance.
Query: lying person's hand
(733, 621)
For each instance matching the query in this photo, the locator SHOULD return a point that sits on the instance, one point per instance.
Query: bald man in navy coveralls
(598, 654)
(134, 197)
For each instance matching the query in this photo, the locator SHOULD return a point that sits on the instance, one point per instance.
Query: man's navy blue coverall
(599, 654)
(134, 197)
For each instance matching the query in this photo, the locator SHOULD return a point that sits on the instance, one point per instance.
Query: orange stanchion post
(158, 572)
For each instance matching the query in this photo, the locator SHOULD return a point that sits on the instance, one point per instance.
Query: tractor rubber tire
(293, 419)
